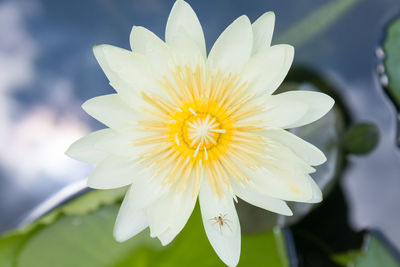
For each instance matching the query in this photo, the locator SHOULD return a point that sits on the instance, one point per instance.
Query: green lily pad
(83, 237)
(391, 47)
(79, 240)
(9, 246)
(87, 202)
(375, 253)
(361, 138)
(12, 242)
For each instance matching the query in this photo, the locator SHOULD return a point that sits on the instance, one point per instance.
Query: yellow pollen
(197, 132)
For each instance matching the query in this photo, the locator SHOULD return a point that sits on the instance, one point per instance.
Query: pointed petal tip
(322, 161)
(289, 51)
(86, 105)
(92, 185)
(231, 262)
(97, 46)
(316, 192)
(286, 49)
(98, 51)
(183, 26)
(119, 238)
(330, 101)
(316, 199)
(243, 18)
(287, 211)
(233, 47)
(152, 234)
(325, 101)
(180, 5)
(268, 15)
(70, 152)
(319, 200)
(180, 2)
(263, 30)
(165, 241)
(84, 149)
(135, 29)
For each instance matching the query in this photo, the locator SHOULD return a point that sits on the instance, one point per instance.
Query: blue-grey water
(47, 71)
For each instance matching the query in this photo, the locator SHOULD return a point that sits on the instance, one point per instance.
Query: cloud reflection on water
(34, 136)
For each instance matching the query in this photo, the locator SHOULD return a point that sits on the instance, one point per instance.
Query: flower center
(202, 132)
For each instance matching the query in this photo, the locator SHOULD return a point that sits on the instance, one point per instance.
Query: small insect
(221, 220)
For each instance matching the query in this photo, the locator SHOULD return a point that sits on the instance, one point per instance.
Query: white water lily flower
(183, 125)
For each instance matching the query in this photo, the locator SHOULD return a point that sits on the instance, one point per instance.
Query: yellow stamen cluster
(201, 129)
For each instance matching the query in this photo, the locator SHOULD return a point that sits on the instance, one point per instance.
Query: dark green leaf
(392, 62)
(11, 243)
(361, 138)
(85, 239)
(9, 246)
(374, 254)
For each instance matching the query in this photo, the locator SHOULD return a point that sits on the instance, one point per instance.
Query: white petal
(110, 110)
(158, 214)
(183, 17)
(113, 172)
(143, 192)
(131, 220)
(182, 207)
(281, 155)
(282, 183)
(318, 105)
(121, 143)
(185, 52)
(309, 153)
(146, 190)
(232, 48)
(148, 194)
(85, 150)
(265, 71)
(115, 62)
(254, 197)
(280, 112)
(129, 73)
(283, 176)
(263, 29)
(156, 51)
(316, 192)
(225, 239)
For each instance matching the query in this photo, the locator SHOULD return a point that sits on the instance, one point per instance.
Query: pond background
(47, 70)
